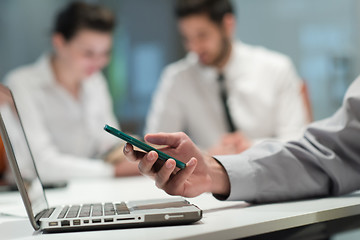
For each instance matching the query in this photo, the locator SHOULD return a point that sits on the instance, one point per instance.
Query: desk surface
(221, 220)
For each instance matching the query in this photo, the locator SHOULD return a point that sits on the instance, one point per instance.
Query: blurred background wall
(320, 36)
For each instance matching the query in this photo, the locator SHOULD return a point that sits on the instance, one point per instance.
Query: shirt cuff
(241, 175)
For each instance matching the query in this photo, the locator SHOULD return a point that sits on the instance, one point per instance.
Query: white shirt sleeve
(289, 100)
(52, 164)
(325, 161)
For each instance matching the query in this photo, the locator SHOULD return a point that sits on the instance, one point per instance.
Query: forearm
(273, 171)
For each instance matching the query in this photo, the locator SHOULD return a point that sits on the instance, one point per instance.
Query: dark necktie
(223, 96)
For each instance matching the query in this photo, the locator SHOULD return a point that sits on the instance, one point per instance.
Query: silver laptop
(89, 216)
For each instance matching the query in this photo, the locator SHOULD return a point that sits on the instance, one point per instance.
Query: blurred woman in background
(64, 101)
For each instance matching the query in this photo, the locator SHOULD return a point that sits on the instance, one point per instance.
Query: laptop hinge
(40, 214)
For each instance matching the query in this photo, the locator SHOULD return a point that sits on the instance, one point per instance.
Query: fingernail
(151, 156)
(191, 162)
(169, 164)
(126, 150)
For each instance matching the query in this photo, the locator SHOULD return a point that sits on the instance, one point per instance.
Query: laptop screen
(19, 154)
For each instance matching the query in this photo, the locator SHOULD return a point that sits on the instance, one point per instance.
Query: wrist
(220, 183)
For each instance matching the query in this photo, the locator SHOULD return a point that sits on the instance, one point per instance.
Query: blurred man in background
(225, 94)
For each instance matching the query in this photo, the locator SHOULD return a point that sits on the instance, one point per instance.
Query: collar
(44, 66)
(234, 68)
(237, 64)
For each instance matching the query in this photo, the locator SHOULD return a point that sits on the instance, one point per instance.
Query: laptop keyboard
(94, 210)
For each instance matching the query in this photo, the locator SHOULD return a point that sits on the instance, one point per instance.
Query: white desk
(221, 220)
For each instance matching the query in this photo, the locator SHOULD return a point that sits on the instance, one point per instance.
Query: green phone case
(141, 145)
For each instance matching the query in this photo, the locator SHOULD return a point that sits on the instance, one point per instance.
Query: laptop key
(97, 210)
(109, 213)
(63, 212)
(109, 209)
(108, 206)
(96, 214)
(48, 213)
(85, 210)
(121, 208)
(73, 211)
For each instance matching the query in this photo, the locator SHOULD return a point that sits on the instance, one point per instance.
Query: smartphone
(141, 145)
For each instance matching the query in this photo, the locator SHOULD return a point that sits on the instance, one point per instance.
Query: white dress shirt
(65, 134)
(325, 161)
(263, 90)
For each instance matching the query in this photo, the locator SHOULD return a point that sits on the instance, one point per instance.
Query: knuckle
(170, 191)
(140, 167)
(160, 185)
(182, 135)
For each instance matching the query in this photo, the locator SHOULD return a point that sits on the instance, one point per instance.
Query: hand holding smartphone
(141, 145)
